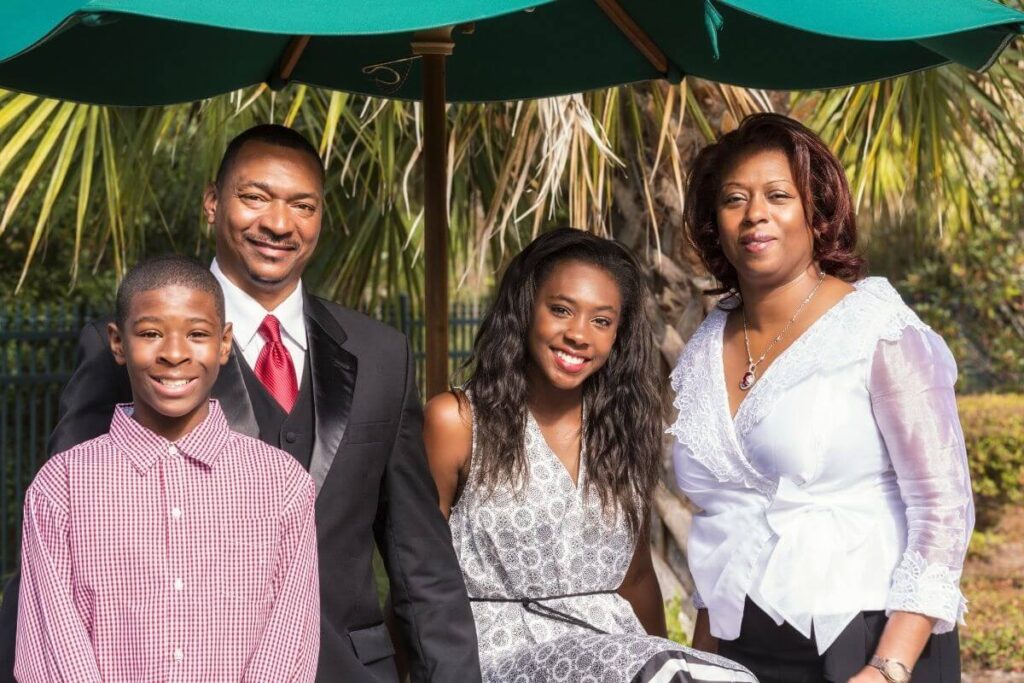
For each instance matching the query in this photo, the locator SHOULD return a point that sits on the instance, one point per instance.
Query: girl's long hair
(623, 406)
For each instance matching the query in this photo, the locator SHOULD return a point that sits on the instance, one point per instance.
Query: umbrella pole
(433, 47)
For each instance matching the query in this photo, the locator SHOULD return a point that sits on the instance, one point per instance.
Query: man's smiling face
(266, 214)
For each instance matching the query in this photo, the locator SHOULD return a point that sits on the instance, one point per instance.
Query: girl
(545, 463)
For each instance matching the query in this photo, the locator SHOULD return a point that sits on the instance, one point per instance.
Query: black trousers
(779, 654)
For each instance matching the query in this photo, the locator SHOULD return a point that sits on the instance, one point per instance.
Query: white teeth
(570, 360)
(174, 382)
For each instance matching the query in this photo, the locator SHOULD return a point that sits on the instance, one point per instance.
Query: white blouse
(841, 484)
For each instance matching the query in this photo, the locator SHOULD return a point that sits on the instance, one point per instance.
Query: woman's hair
(819, 177)
(622, 403)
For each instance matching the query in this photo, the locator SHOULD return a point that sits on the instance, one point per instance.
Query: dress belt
(536, 606)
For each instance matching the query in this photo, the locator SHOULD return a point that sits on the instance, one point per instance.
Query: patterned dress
(546, 540)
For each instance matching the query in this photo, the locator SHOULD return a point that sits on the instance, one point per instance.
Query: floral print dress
(541, 566)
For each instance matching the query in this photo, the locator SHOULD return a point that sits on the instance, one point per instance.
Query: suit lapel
(230, 391)
(333, 373)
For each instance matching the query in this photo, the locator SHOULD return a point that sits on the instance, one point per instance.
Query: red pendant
(747, 380)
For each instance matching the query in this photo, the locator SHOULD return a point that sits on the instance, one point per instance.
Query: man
(337, 391)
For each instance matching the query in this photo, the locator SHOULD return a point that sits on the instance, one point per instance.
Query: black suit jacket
(373, 483)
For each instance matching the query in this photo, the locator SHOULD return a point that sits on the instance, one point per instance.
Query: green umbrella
(142, 52)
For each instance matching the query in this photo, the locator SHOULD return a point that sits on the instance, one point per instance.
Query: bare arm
(903, 639)
(702, 638)
(640, 587)
(448, 438)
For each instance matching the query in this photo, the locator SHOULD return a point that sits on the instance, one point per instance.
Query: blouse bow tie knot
(835, 525)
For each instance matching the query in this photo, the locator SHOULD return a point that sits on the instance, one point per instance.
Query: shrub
(969, 289)
(994, 432)
(994, 636)
(993, 582)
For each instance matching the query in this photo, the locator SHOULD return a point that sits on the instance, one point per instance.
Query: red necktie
(274, 366)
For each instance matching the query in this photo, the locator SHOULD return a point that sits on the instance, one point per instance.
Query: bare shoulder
(833, 287)
(448, 428)
(450, 413)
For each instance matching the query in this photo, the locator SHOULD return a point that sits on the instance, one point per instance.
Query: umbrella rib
(636, 35)
(289, 60)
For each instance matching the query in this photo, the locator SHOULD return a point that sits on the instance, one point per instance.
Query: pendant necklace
(750, 376)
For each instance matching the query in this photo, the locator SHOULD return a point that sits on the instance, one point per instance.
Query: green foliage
(971, 291)
(994, 431)
(996, 641)
(676, 632)
(915, 146)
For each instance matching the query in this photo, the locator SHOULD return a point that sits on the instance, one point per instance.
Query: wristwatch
(894, 670)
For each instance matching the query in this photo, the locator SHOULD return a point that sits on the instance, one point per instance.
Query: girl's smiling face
(575, 320)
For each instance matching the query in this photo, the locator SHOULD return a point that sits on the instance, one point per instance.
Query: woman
(545, 464)
(817, 432)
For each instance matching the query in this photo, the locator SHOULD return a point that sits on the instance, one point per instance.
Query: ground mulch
(993, 640)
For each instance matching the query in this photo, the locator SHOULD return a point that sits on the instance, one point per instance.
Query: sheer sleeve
(911, 385)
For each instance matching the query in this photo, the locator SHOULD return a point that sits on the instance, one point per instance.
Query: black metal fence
(463, 321)
(37, 357)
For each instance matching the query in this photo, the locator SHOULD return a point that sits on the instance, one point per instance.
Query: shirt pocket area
(248, 557)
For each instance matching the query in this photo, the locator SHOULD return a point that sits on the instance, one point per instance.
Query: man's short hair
(271, 134)
(166, 271)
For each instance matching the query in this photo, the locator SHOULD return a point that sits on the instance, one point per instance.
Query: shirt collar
(144, 447)
(246, 314)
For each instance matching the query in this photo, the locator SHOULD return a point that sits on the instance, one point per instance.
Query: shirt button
(178, 584)
(178, 655)
(176, 513)
(290, 437)
(172, 449)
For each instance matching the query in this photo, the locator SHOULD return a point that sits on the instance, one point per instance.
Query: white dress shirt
(841, 484)
(246, 315)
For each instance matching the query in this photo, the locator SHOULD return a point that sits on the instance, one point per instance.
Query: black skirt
(780, 654)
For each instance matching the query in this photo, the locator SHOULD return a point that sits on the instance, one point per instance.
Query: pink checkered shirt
(145, 560)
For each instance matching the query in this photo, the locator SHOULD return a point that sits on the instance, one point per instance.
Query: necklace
(750, 376)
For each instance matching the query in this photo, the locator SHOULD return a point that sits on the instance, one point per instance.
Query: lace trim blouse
(841, 484)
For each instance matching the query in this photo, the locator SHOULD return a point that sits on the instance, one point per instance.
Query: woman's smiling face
(575, 320)
(761, 220)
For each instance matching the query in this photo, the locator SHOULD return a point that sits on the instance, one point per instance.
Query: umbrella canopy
(142, 52)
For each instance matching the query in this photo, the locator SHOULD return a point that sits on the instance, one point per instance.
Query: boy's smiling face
(173, 343)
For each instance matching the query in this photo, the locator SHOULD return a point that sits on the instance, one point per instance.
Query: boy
(170, 548)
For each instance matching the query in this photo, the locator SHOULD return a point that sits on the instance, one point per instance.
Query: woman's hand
(868, 674)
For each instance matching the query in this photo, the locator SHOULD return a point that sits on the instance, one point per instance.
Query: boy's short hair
(166, 271)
